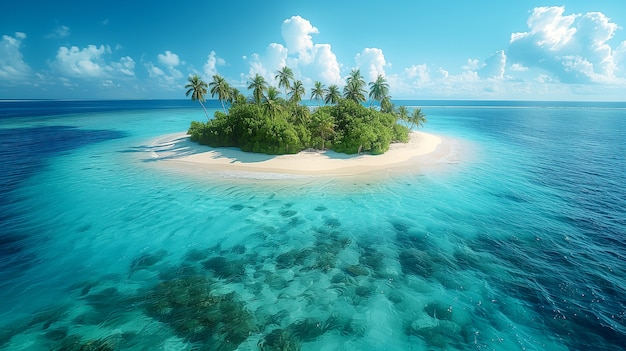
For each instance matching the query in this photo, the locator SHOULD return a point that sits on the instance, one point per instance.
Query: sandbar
(176, 151)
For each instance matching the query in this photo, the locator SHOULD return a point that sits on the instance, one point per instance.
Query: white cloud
(296, 33)
(558, 48)
(573, 48)
(86, 62)
(326, 64)
(418, 71)
(154, 71)
(164, 80)
(552, 30)
(90, 62)
(12, 65)
(518, 67)
(59, 32)
(620, 58)
(472, 65)
(372, 62)
(308, 60)
(167, 77)
(169, 59)
(210, 67)
(544, 78)
(494, 66)
(275, 58)
(126, 66)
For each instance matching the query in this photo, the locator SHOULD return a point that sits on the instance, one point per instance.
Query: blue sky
(486, 50)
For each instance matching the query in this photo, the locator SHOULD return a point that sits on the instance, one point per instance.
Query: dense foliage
(270, 124)
(347, 127)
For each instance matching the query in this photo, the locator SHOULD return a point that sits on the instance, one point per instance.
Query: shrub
(347, 127)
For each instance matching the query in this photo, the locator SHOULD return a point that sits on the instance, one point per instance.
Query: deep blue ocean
(516, 241)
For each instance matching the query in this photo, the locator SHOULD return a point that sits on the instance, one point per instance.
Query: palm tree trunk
(204, 108)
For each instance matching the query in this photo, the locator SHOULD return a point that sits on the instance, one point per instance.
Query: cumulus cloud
(557, 48)
(419, 72)
(472, 65)
(210, 67)
(166, 77)
(325, 64)
(169, 59)
(309, 61)
(372, 63)
(154, 71)
(494, 66)
(574, 48)
(274, 58)
(86, 62)
(126, 66)
(12, 65)
(296, 32)
(90, 62)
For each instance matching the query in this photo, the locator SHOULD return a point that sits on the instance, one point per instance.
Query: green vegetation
(273, 124)
(197, 89)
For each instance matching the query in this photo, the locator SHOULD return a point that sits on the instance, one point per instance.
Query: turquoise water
(517, 244)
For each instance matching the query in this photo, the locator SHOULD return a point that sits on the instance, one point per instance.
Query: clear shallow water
(520, 245)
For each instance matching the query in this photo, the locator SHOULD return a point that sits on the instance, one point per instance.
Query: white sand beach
(177, 151)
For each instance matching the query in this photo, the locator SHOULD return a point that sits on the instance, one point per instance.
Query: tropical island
(268, 136)
(269, 123)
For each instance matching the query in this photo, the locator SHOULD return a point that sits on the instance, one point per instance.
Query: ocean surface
(516, 241)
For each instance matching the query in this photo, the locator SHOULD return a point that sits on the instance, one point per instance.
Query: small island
(270, 124)
(270, 137)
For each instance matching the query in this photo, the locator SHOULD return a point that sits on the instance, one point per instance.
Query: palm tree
(402, 113)
(355, 75)
(354, 91)
(233, 95)
(297, 90)
(332, 95)
(258, 85)
(355, 86)
(379, 89)
(220, 87)
(417, 118)
(271, 103)
(386, 105)
(284, 77)
(197, 89)
(324, 124)
(299, 114)
(318, 92)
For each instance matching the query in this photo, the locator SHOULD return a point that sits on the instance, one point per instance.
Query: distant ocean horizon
(51, 106)
(517, 241)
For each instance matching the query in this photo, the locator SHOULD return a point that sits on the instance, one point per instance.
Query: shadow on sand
(179, 146)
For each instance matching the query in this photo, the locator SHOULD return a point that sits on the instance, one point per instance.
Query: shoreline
(177, 152)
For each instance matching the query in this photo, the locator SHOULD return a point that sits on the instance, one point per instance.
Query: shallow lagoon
(513, 242)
